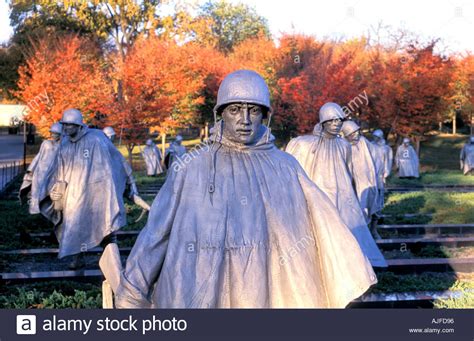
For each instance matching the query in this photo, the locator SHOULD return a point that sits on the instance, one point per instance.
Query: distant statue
(383, 159)
(131, 190)
(175, 150)
(37, 180)
(152, 156)
(467, 157)
(88, 189)
(326, 158)
(364, 170)
(406, 160)
(241, 225)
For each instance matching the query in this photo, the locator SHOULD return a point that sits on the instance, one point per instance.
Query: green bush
(26, 299)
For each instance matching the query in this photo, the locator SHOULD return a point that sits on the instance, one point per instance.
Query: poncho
(327, 161)
(38, 175)
(93, 201)
(152, 157)
(380, 155)
(467, 158)
(174, 151)
(407, 162)
(242, 226)
(365, 176)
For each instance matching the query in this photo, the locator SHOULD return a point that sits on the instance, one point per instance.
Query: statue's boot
(78, 262)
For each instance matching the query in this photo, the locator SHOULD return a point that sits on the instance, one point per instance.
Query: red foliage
(63, 73)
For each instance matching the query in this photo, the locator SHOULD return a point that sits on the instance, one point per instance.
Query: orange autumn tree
(258, 54)
(311, 73)
(161, 86)
(461, 97)
(62, 73)
(212, 66)
(384, 87)
(407, 90)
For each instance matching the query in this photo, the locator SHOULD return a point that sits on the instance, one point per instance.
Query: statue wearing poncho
(383, 159)
(326, 158)
(175, 151)
(363, 168)
(406, 160)
(388, 152)
(90, 167)
(242, 226)
(467, 157)
(37, 180)
(152, 157)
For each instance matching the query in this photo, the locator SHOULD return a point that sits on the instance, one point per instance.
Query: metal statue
(364, 169)
(241, 225)
(467, 157)
(326, 158)
(383, 159)
(131, 190)
(152, 156)
(37, 180)
(88, 189)
(406, 160)
(175, 150)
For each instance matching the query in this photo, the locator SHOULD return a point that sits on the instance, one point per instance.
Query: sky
(450, 20)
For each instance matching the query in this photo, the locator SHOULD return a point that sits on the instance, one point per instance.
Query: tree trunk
(417, 145)
(454, 123)
(130, 147)
(163, 143)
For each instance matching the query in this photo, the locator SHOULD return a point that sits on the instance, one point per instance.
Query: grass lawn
(446, 207)
(439, 159)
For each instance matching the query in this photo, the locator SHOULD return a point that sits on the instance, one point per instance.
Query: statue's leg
(78, 261)
(373, 227)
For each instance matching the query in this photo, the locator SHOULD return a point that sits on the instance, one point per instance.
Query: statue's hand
(55, 196)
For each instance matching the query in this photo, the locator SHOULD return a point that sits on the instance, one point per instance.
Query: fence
(8, 172)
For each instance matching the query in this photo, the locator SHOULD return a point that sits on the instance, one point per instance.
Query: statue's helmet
(348, 127)
(331, 111)
(109, 132)
(149, 142)
(179, 138)
(406, 140)
(72, 116)
(56, 128)
(378, 133)
(243, 86)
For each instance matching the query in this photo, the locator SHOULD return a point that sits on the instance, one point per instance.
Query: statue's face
(354, 137)
(333, 127)
(70, 129)
(55, 136)
(376, 138)
(241, 122)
